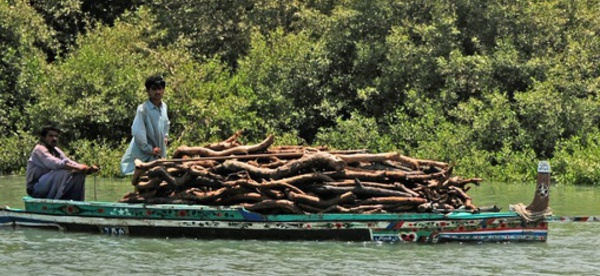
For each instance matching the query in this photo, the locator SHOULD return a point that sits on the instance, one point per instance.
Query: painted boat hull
(210, 222)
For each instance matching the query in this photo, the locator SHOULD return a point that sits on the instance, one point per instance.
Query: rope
(529, 216)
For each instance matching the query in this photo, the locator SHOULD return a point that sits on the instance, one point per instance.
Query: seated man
(50, 174)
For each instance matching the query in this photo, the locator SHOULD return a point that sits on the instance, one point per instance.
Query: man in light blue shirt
(149, 129)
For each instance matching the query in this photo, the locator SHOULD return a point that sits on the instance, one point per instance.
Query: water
(572, 248)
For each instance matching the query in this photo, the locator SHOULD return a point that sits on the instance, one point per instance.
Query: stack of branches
(299, 180)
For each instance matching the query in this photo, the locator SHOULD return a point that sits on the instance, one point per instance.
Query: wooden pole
(142, 165)
(542, 189)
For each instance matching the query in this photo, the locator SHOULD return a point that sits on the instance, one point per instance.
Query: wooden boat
(233, 222)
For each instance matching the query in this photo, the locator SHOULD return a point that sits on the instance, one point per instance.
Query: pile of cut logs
(299, 180)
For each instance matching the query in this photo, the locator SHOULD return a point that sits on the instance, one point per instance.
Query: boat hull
(209, 222)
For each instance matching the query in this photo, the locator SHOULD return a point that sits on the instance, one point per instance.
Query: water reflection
(570, 250)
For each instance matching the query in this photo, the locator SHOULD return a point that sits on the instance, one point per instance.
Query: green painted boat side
(234, 222)
(227, 213)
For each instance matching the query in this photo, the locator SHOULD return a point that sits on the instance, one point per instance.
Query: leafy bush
(15, 152)
(577, 161)
(99, 153)
(358, 132)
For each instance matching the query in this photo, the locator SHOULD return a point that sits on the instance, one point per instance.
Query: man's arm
(70, 164)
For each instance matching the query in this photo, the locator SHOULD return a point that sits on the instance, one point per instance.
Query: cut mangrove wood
(299, 179)
(202, 151)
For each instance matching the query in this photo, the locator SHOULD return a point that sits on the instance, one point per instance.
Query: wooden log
(162, 174)
(425, 162)
(274, 164)
(430, 194)
(280, 204)
(293, 148)
(396, 175)
(202, 164)
(319, 160)
(352, 183)
(145, 166)
(399, 166)
(396, 186)
(303, 179)
(362, 175)
(400, 200)
(199, 171)
(319, 202)
(403, 188)
(272, 193)
(137, 173)
(380, 157)
(467, 201)
(377, 192)
(302, 149)
(202, 151)
(315, 162)
(359, 190)
(383, 176)
(426, 176)
(411, 163)
(206, 196)
(204, 182)
(265, 185)
(228, 143)
(241, 198)
(184, 179)
(384, 166)
(151, 184)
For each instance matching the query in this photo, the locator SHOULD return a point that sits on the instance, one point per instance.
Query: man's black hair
(155, 81)
(46, 129)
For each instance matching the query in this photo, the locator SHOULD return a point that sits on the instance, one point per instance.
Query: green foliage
(208, 105)
(211, 28)
(577, 161)
(22, 31)
(548, 115)
(98, 85)
(282, 74)
(15, 152)
(491, 87)
(467, 78)
(491, 122)
(288, 138)
(513, 165)
(358, 132)
(98, 152)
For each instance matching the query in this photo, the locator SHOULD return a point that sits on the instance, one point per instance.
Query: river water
(573, 248)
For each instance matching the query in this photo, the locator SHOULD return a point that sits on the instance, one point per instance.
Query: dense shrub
(491, 87)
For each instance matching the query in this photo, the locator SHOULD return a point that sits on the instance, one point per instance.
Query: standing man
(149, 129)
(50, 174)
